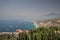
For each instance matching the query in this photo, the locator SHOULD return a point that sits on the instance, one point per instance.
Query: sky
(27, 9)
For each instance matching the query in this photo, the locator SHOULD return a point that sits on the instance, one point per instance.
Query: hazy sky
(27, 9)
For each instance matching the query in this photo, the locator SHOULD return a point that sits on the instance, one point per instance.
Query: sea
(13, 25)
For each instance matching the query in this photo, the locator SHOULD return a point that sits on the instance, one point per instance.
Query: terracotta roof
(19, 30)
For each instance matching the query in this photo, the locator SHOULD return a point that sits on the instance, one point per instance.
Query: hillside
(47, 22)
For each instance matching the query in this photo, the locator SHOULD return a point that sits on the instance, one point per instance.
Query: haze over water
(20, 13)
(27, 10)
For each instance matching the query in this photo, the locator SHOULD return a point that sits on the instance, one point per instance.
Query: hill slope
(47, 22)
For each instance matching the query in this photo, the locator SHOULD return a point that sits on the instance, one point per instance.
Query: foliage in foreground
(51, 33)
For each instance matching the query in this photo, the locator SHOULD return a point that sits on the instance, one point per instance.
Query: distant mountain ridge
(48, 23)
(49, 16)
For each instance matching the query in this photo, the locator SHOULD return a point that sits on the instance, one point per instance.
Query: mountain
(48, 20)
(53, 15)
(49, 16)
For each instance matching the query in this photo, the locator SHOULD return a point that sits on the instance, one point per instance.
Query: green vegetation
(51, 33)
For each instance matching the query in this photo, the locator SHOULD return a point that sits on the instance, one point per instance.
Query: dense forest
(41, 33)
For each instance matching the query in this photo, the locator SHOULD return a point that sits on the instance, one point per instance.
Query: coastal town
(47, 23)
(42, 29)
